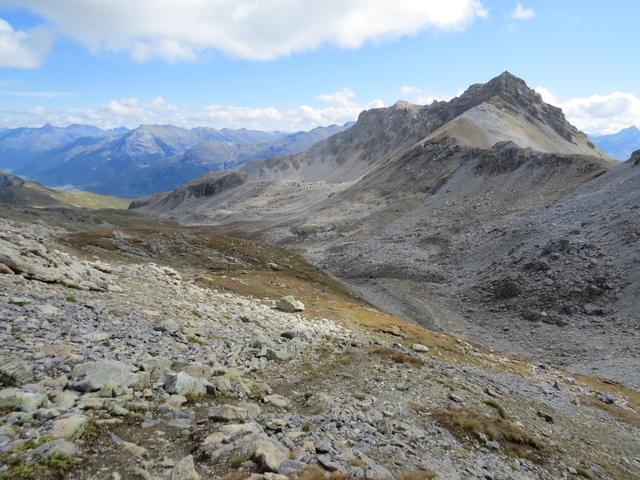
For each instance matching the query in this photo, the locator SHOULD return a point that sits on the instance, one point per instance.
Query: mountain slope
(167, 343)
(463, 216)
(619, 145)
(17, 192)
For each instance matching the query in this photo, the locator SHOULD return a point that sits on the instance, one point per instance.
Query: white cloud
(343, 98)
(522, 13)
(547, 95)
(178, 30)
(340, 107)
(23, 48)
(599, 114)
(409, 90)
(420, 96)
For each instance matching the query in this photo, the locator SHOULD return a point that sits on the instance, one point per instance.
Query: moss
(584, 473)
(71, 299)
(195, 340)
(51, 468)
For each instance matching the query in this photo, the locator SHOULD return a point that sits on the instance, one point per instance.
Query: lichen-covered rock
(184, 384)
(69, 427)
(111, 375)
(185, 470)
(290, 304)
(14, 372)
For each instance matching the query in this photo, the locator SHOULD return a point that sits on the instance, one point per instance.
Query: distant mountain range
(145, 160)
(619, 145)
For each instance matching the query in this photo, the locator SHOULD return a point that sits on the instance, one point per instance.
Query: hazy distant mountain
(619, 145)
(148, 159)
(20, 145)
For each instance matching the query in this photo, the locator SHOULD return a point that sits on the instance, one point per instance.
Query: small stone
(269, 457)
(418, 347)
(277, 401)
(185, 470)
(323, 446)
(134, 449)
(96, 337)
(327, 462)
(455, 398)
(231, 412)
(291, 467)
(168, 326)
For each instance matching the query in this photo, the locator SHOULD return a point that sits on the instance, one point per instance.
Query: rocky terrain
(132, 347)
(489, 217)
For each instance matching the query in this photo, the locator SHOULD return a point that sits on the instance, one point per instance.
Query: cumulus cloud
(23, 48)
(178, 30)
(599, 114)
(522, 13)
(339, 107)
(420, 96)
(343, 98)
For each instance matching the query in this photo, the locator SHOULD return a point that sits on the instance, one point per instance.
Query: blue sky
(310, 64)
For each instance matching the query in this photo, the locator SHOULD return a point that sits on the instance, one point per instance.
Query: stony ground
(131, 348)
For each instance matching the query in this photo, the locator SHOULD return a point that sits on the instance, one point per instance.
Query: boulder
(269, 457)
(70, 427)
(184, 384)
(111, 375)
(59, 448)
(14, 372)
(15, 398)
(290, 304)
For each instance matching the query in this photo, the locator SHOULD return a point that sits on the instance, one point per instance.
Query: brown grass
(626, 415)
(316, 473)
(396, 355)
(469, 427)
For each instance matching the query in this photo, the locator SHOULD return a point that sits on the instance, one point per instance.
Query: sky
(297, 64)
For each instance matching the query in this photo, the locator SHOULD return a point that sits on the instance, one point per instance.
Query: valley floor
(132, 347)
